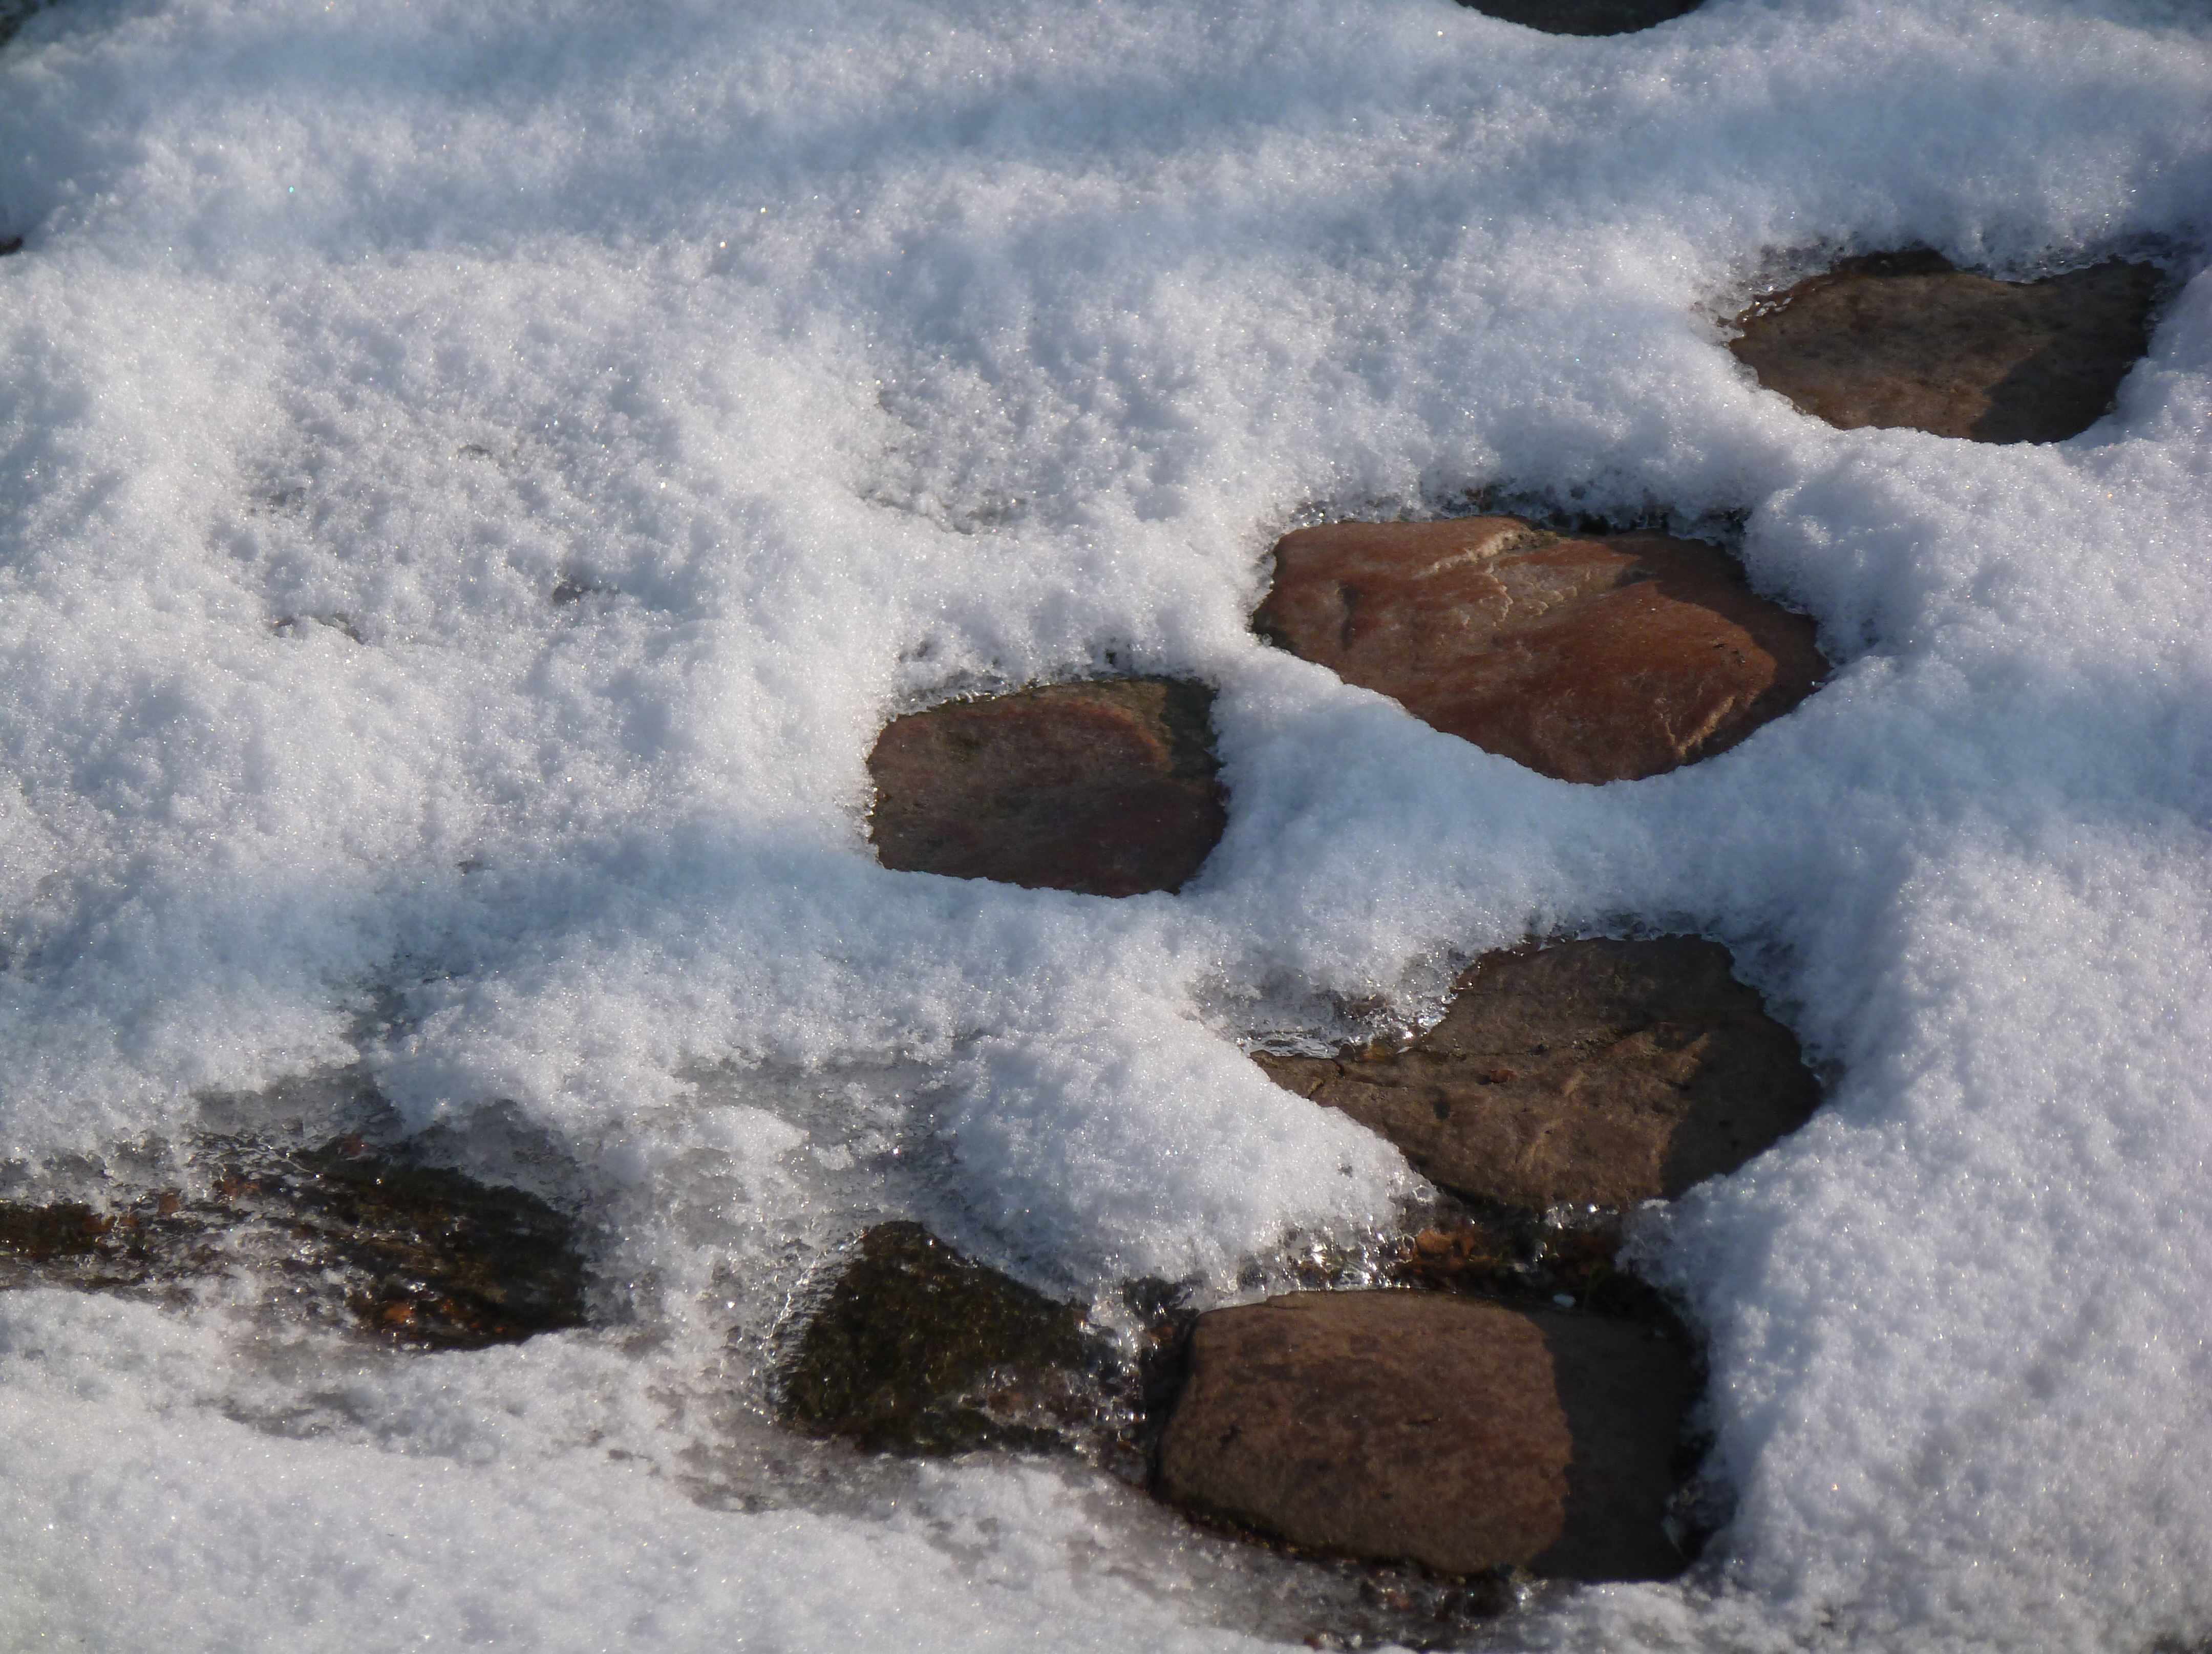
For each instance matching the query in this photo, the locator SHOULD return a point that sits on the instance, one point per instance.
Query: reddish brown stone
(1415, 1427)
(1104, 787)
(1596, 1072)
(1583, 16)
(1904, 340)
(1586, 660)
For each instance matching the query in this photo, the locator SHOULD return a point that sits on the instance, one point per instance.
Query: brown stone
(1583, 16)
(1108, 787)
(1595, 1073)
(1905, 340)
(1587, 660)
(1415, 1427)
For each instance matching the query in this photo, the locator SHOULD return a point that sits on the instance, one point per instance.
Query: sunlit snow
(478, 473)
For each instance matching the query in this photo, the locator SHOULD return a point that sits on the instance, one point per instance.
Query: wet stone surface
(1592, 1072)
(1587, 660)
(1463, 1436)
(1584, 16)
(918, 1349)
(1107, 789)
(1904, 339)
(347, 1231)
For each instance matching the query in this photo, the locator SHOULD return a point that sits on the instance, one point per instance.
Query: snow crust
(477, 476)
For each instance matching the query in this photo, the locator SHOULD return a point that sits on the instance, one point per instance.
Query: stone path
(1448, 1421)
(1464, 1426)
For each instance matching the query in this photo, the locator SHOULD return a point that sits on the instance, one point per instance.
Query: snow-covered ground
(822, 357)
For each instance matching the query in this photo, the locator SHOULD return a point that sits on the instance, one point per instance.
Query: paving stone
(1905, 340)
(918, 1349)
(1591, 1072)
(1104, 787)
(1586, 659)
(1422, 1427)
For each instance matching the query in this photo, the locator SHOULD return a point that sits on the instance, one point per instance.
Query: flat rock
(1417, 1426)
(918, 1349)
(1587, 660)
(1905, 340)
(418, 1254)
(1583, 16)
(1593, 1072)
(1105, 788)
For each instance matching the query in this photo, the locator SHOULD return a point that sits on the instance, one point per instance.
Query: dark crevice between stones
(1906, 340)
(347, 1231)
(1587, 658)
(1584, 16)
(1106, 787)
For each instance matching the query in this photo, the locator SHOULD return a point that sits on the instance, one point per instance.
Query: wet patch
(918, 1349)
(345, 1232)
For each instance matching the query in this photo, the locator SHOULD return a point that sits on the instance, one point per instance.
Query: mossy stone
(920, 1350)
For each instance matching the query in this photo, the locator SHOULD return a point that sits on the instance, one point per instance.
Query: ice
(477, 476)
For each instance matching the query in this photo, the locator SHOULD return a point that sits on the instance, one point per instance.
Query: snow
(826, 359)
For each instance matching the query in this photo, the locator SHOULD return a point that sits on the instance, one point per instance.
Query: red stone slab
(1587, 660)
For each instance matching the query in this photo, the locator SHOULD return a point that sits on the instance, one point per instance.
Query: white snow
(828, 357)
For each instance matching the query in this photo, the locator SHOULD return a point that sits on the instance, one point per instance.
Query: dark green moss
(918, 1349)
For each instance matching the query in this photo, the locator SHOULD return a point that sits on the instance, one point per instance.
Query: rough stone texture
(1904, 339)
(1597, 1073)
(415, 1253)
(1583, 16)
(1398, 1426)
(920, 1350)
(1107, 788)
(1586, 660)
